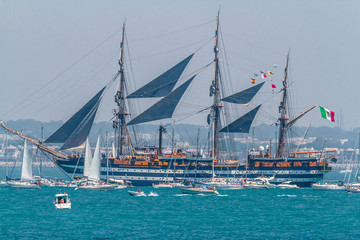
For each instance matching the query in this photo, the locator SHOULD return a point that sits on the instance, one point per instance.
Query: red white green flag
(327, 114)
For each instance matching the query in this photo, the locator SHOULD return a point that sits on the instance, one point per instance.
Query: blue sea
(234, 214)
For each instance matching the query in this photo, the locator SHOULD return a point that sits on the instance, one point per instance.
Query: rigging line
(190, 74)
(55, 100)
(176, 31)
(226, 59)
(188, 116)
(252, 44)
(129, 86)
(131, 66)
(62, 170)
(350, 163)
(197, 71)
(169, 51)
(212, 38)
(61, 73)
(262, 103)
(105, 91)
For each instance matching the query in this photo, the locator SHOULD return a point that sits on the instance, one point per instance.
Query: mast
(161, 130)
(120, 113)
(215, 108)
(41, 140)
(283, 112)
(107, 157)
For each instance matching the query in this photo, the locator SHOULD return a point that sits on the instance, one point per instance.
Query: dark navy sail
(74, 132)
(242, 124)
(164, 84)
(244, 97)
(163, 108)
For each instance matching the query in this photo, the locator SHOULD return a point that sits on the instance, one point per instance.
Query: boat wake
(152, 194)
(181, 195)
(286, 195)
(222, 195)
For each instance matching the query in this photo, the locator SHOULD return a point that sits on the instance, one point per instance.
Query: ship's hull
(146, 175)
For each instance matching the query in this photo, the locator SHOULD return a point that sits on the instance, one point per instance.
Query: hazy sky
(55, 55)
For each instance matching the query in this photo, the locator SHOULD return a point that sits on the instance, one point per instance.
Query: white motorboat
(353, 189)
(96, 186)
(177, 184)
(162, 185)
(287, 185)
(200, 190)
(257, 183)
(62, 201)
(224, 185)
(137, 193)
(328, 186)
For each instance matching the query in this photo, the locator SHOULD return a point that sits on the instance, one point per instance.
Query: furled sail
(163, 108)
(88, 158)
(242, 124)
(94, 170)
(244, 97)
(164, 84)
(74, 132)
(26, 169)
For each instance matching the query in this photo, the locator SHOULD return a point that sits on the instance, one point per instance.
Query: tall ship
(144, 166)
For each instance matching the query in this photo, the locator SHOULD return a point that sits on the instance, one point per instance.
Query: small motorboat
(224, 184)
(96, 186)
(287, 185)
(162, 185)
(120, 184)
(329, 186)
(137, 193)
(140, 193)
(200, 190)
(177, 184)
(257, 183)
(352, 189)
(62, 201)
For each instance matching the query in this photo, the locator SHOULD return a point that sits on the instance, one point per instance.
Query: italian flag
(327, 114)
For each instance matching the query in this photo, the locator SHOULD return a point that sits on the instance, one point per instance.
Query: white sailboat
(287, 185)
(27, 179)
(93, 173)
(88, 158)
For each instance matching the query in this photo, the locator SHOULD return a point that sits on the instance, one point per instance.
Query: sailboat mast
(120, 114)
(216, 102)
(283, 111)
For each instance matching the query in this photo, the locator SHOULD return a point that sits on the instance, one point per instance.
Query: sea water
(168, 214)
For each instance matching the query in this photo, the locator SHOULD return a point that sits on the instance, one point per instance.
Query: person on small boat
(62, 201)
(139, 190)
